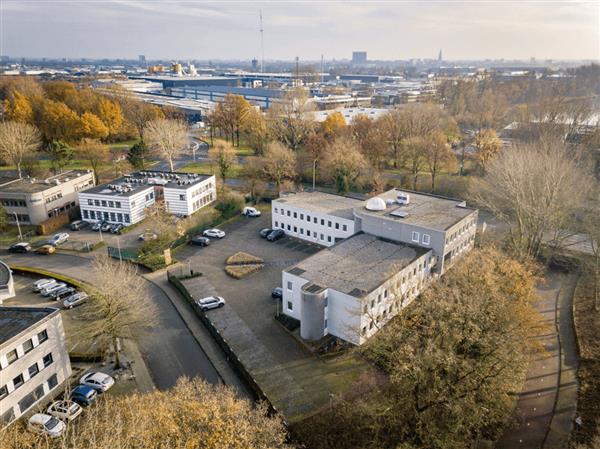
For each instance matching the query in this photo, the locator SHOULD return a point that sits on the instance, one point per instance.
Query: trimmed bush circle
(242, 264)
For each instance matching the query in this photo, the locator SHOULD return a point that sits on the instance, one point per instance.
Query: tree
(232, 113)
(92, 127)
(537, 189)
(252, 173)
(60, 154)
(279, 163)
(438, 155)
(255, 129)
(371, 139)
(18, 109)
(59, 122)
(138, 154)
(95, 152)
(17, 140)
(487, 145)
(119, 307)
(192, 414)
(290, 118)
(222, 154)
(344, 164)
(165, 225)
(414, 154)
(167, 138)
(4, 221)
(591, 229)
(392, 125)
(111, 115)
(333, 125)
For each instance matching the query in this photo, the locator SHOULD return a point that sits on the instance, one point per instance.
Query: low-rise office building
(33, 201)
(34, 363)
(124, 200)
(398, 243)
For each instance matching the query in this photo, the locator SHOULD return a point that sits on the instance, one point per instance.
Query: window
(315, 220)
(344, 228)
(276, 224)
(289, 285)
(30, 399)
(12, 356)
(28, 346)
(329, 223)
(43, 336)
(282, 212)
(90, 202)
(126, 216)
(103, 203)
(18, 381)
(426, 239)
(322, 237)
(364, 330)
(288, 213)
(275, 209)
(52, 382)
(3, 392)
(325, 323)
(181, 198)
(295, 215)
(47, 360)
(118, 204)
(133, 204)
(302, 231)
(85, 214)
(378, 298)
(322, 222)
(337, 226)
(33, 370)
(365, 308)
(371, 325)
(301, 216)
(308, 232)
(290, 306)
(415, 236)
(119, 217)
(295, 229)
(385, 293)
(289, 228)
(105, 215)
(329, 238)
(112, 216)
(372, 303)
(111, 204)
(96, 203)
(308, 218)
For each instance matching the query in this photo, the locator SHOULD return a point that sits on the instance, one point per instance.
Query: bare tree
(488, 146)
(290, 119)
(17, 140)
(95, 152)
(223, 154)
(118, 308)
(167, 137)
(279, 163)
(344, 164)
(438, 155)
(537, 189)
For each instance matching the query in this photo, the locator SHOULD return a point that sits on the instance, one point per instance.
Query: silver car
(75, 300)
(210, 302)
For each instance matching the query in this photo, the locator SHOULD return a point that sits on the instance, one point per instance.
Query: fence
(128, 254)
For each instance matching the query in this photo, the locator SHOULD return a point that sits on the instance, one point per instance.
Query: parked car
(147, 236)
(116, 228)
(215, 233)
(46, 249)
(58, 239)
(210, 302)
(84, 395)
(50, 289)
(276, 234)
(97, 380)
(21, 247)
(277, 293)
(62, 293)
(105, 227)
(96, 226)
(78, 225)
(265, 232)
(75, 300)
(251, 212)
(43, 424)
(65, 410)
(200, 240)
(41, 283)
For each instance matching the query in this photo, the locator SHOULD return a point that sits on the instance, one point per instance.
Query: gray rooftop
(34, 185)
(133, 183)
(357, 265)
(5, 274)
(428, 211)
(326, 203)
(14, 320)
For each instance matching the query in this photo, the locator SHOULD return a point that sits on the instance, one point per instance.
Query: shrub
(230, 204)
(152, 261)
(242, 258)
(239, 271)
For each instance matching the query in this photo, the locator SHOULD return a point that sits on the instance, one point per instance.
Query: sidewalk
(200, 333)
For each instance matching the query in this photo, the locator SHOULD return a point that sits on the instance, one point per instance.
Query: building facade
(33, 201)
(7, 286)
(125, 200)
(34, 364)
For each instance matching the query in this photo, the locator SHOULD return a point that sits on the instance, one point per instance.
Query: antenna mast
(262, 45)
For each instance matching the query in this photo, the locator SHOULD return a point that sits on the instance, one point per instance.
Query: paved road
(169, 349)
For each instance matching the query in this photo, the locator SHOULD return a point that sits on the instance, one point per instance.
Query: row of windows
(315, 220)
(106, 216)
(83, 185)
(202, 189)
(21, 217)
(32, 371)
(13, 203)
(28, 345)
(459, 232)
(315, 235)
(202, 201)
(425, 240)
(56, 196)
(104, 203)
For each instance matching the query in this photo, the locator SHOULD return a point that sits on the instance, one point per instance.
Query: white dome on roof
(375, 204)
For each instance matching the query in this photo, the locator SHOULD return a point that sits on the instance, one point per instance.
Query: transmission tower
(262, 45)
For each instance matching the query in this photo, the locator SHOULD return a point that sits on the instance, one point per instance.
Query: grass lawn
(211, 168)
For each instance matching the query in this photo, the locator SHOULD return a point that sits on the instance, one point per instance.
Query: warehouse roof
(34, 185)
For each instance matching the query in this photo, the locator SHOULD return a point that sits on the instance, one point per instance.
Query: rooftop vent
(399, 213)
(375, 204)
(403, 198)
(296, 271)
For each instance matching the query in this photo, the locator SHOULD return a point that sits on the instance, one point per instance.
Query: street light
(18, 226)
(314, 172)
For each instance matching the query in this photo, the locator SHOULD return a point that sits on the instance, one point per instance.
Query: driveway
(169, 349)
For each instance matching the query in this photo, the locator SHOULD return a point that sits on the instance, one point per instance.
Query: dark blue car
(84, 395)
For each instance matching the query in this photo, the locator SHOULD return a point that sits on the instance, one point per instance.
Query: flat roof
(326, 203)
(426, 210)
(34, 185)
(14, 320)
(358, 265)
(136, 182)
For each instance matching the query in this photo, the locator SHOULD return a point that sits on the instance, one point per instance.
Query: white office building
(125, 199)
(399, 243)
(34, 364)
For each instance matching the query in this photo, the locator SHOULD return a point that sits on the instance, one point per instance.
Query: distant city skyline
(229, 30)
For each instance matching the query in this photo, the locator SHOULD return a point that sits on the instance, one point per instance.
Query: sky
(390, 30)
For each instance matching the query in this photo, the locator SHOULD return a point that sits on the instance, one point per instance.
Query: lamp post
(119, 248)
(18, 226)
(314, 172)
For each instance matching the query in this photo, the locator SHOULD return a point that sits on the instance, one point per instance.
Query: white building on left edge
(124, 200)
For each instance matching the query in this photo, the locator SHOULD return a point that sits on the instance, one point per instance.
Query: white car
(59, 238)
(41, 283)
(215, 233)
(43, 424)
(65, 410)
(251, 212)
(210, 302)
(98, 381)
(49, 289)
(75, 299)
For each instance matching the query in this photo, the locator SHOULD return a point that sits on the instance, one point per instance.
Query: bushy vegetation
(229, 203)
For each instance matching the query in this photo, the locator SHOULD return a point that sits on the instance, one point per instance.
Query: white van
(41, 283)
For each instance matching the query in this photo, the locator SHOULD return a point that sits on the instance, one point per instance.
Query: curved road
(169, 349)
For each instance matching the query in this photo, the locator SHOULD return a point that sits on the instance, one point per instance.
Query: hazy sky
(230, 29)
